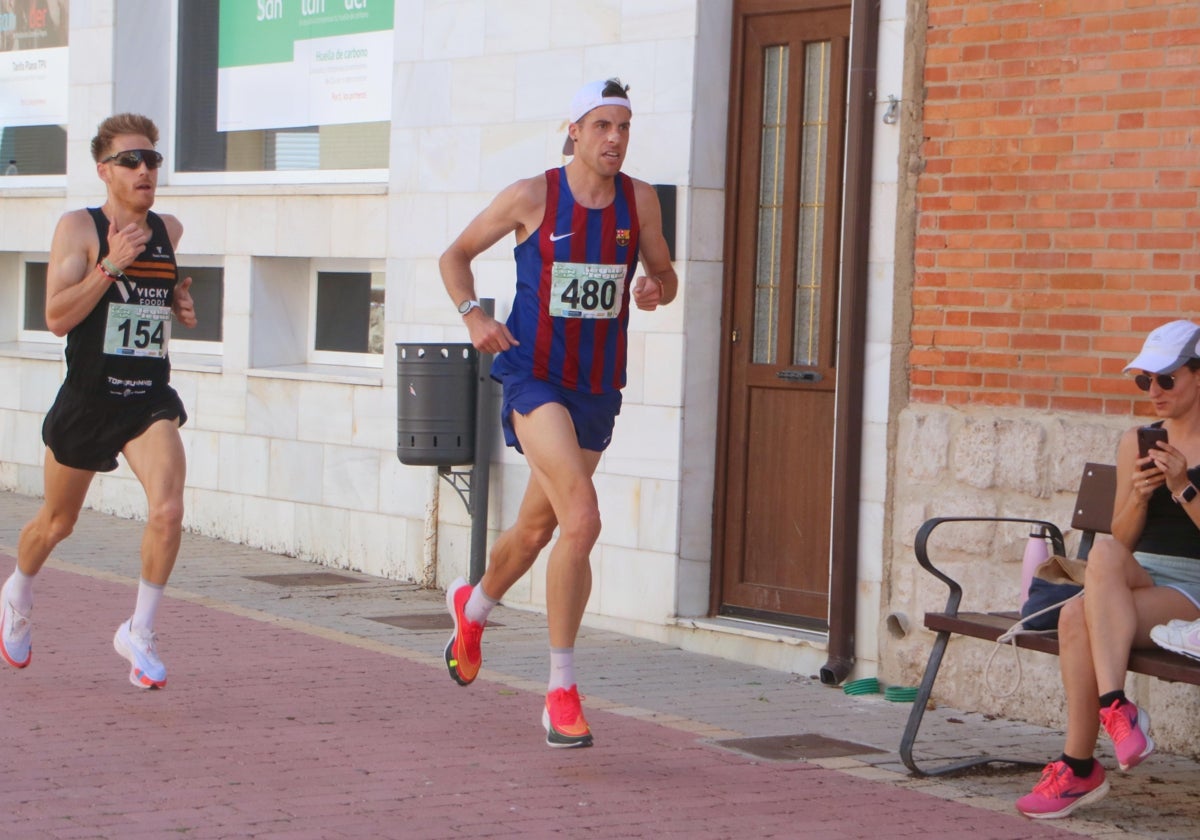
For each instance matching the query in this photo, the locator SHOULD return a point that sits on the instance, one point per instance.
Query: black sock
(1106, 700)
(1081, 767)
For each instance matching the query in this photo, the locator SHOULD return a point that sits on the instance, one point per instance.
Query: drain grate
(304, 579)
(422, 621)
(803, 747)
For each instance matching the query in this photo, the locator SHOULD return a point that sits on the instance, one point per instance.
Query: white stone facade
(301, 458)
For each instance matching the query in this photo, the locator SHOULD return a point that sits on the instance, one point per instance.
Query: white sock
(479, 605)
(562, 668)
(19, 591)
(148, 598)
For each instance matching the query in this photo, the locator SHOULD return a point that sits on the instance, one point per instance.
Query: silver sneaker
(140, 647)
(16, 634)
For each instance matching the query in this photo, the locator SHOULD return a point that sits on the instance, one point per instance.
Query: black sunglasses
(1166, 381)
(134, 158)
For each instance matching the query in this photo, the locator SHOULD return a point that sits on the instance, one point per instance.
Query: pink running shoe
(463, 656)
(1060, 791)
(562, 718)
(1129, 728)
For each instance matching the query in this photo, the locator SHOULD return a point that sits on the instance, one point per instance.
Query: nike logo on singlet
(554, 237)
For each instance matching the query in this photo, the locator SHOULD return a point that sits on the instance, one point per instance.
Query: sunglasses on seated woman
(133, 158)
(1166, 381)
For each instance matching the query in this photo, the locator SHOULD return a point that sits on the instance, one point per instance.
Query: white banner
(319, 62)
(330, 81)
(33, 63)
(33, 87)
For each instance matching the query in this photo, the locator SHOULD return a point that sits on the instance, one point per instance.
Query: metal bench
(1092, 516)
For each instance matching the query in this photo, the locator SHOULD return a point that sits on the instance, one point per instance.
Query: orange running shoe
(463, 656)
(563, 719)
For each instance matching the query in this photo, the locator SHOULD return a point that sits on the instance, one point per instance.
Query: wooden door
(775, 474)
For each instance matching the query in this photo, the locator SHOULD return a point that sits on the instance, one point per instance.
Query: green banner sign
(291, 63)
(265, 31)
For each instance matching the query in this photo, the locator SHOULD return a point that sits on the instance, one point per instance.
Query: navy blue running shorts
(594, 415)
(88, 432)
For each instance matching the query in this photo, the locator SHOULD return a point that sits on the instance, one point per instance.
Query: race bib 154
(137, 330)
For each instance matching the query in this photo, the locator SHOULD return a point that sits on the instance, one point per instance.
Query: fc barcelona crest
(622, 237)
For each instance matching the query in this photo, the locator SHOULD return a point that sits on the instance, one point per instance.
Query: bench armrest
(921, 548)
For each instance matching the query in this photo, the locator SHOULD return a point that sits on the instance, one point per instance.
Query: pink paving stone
(267, 731)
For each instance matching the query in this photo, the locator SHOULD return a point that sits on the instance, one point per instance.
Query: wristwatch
(1186, 495)
(466, 306)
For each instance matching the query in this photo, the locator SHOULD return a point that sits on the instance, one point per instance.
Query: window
(208, 296)
(348, 317)
(34, 317)
(312, 87)
(33, 150)
(340, 302)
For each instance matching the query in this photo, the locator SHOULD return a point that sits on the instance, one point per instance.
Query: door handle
(799, 375)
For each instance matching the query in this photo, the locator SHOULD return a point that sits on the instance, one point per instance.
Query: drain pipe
(856, 224)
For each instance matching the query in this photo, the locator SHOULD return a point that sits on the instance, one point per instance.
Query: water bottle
(1037, 552)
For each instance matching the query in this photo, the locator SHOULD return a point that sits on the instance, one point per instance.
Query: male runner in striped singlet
(580, 230)
(112, 289)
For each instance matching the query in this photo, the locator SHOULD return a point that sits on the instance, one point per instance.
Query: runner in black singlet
(112, 289)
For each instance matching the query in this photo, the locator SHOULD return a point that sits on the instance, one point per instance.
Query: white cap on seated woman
(1168, 348)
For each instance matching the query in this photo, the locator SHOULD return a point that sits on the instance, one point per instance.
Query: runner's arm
(182, 304)
(509, 211)
(515, 208)
(74, 283)
(655, 255)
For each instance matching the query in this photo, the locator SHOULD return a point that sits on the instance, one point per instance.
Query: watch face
(1188, 493)
(465, 307)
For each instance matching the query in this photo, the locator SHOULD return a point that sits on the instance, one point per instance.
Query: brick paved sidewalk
(291, 712)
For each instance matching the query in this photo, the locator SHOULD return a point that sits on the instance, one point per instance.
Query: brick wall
(1058, 212)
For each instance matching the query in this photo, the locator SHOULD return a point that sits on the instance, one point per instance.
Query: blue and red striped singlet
(571, 310)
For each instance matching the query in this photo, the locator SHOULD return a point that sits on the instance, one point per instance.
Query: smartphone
(1148, 437)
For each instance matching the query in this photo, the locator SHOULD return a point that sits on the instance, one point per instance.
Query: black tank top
(119, 351)
(1168, 529)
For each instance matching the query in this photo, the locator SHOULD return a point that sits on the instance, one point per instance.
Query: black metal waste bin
(436, 390)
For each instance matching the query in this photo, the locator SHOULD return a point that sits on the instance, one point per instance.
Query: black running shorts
(88, 433)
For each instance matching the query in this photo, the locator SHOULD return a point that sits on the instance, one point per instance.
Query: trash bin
(436, 391)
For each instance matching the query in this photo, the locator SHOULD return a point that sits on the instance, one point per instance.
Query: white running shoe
(1178, 636)
(141, 649)
(16, 634)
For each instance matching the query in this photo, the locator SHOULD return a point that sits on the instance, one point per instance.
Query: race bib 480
(136, 329)
(586, 290)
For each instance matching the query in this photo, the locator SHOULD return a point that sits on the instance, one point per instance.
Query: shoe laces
(566, 705)
(472, 633)
(146, 640)
(18, 620)
(1054, 779)
(1116, 722)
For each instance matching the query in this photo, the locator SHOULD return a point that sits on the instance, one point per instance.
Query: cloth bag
(1054, 582)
